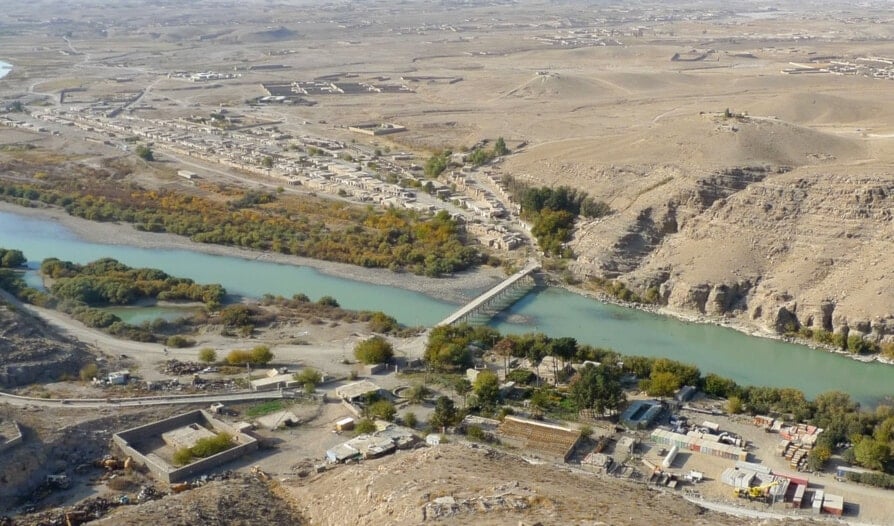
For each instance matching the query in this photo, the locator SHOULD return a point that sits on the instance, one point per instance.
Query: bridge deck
(473, 305)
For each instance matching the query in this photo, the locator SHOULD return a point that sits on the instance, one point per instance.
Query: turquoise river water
(557, 312)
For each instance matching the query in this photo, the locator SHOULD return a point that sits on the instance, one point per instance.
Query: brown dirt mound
(454, 484)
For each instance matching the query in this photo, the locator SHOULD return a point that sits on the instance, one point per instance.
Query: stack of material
(551, 440)
(698, 444)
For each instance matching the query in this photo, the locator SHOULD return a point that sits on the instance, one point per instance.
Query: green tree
(871, 453)
(144, 152)
(207, 355)
(436, 164)
(374, 350)
(463, 387)
(409, 419)
(734, 405)
(309, 378)
(444, 414)
(662, 383)
(487, 389)
(500, 147)
(597, 388)
(365, 426)
(818, 456)
(383, 410)
(261, 355)
(11, 258)
(267, 162)
(417, 393)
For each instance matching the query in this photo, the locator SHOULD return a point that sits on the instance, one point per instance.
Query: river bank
(455, 289)
(736, 324)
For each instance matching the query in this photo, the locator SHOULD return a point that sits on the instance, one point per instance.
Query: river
(557, 312)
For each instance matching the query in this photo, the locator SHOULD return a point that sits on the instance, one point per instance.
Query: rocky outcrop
(782, 249)
(30, 352)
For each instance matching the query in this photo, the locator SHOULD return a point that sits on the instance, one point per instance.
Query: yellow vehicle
(756, 492)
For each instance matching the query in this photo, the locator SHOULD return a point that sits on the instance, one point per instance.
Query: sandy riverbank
(456, 289)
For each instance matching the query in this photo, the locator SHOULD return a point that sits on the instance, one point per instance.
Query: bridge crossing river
(498, 298)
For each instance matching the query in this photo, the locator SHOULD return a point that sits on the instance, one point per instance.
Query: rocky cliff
(753, 218)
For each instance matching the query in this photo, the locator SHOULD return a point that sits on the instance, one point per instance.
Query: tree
(261, 355)
(267, 162)
(383, 410)
(871, 453)
(410, 419)
(463, 387)
(444, 414)
(818, 456)
(597, 388)
(309, 378)
(487, 389)
(207, 355)
(662, 383)
(11, 258)
(145, 153)
(500, 147)
(734, 405)
(365, 426)
(505, 348)
(374, 350)
(418, 393)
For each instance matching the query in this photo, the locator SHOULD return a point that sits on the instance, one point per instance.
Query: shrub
(205, 447)
(179, 342)
(309, 378)
(374, 350)
(383, 410)
(207, 355)
(365, 426)
(238, 357)
(410, 419)
(328, 301)
(89, 372)
(182, 456)
(476, 433)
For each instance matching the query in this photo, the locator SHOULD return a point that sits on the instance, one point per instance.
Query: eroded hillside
(769, 221)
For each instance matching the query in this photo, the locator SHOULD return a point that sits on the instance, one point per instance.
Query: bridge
(498, 298)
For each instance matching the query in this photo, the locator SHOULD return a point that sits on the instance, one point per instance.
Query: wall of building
(14, 440)
(126, 440)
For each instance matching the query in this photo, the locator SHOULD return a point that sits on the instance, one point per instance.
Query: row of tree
(11, 258)
(395, 239)
(109, 282)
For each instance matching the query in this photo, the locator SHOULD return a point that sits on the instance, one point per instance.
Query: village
(316, 420)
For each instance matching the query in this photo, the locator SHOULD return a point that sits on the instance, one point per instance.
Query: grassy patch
(265, 408)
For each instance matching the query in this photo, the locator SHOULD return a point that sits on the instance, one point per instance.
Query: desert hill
(772, 221)
(453, 484)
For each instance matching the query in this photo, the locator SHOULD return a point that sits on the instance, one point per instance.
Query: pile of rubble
(443, 507)
(178, 368)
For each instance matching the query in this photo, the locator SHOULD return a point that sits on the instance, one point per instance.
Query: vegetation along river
(557, 312)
